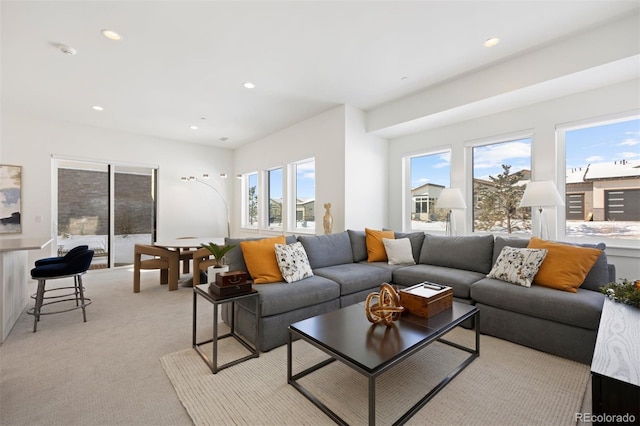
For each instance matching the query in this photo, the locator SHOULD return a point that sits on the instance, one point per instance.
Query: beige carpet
(508, 384)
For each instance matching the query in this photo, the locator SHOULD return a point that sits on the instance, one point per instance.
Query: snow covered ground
(122, 246)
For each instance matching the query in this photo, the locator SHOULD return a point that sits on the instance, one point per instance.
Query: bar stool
(75, 266)
(70, 254)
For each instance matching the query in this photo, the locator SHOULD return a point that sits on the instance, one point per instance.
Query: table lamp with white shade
(541, 194)
(451, 198)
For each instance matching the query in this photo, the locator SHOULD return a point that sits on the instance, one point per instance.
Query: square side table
(202, 290)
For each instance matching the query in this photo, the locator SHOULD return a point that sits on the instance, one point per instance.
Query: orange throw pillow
(565, 267)
(375, 246)
(260, 258)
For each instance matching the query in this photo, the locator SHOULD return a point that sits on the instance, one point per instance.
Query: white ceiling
(180, 61)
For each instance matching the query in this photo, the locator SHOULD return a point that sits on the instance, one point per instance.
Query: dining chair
(186, 254)
(161, 258)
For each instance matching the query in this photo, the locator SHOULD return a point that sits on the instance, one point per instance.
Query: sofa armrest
(612, 273)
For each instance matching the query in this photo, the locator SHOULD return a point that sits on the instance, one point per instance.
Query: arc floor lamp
(224, 201)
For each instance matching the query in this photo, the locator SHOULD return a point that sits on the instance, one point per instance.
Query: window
(305, 190)
(274, 179)
(429, 175)
(500, 174)
(251, 199)
(602, 180)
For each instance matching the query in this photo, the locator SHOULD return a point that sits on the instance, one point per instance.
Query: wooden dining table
(186, 243)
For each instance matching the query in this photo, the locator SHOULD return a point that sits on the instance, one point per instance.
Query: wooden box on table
(426, 299)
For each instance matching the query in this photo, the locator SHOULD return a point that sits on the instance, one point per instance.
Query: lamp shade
(451, 198)
(541, 194)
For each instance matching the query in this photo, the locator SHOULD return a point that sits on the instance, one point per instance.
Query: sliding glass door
(109, 207)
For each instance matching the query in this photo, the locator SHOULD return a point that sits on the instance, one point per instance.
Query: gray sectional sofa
(549, 320)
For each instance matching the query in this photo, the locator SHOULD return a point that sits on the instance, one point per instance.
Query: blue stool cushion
(70, 254)
(78, 264)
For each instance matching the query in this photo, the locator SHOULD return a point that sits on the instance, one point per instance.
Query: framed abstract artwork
(10, 199)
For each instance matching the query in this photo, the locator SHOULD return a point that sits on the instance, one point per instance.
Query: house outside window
(429, 174)
(602, 178)
(501, 171)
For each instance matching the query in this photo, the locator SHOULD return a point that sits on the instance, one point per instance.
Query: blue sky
(606, 143)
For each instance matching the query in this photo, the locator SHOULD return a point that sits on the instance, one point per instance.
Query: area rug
(508, 384)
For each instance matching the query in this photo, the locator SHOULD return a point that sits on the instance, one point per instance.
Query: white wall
(184, 209)
(321, 136)
(542, 118)
(365, 174)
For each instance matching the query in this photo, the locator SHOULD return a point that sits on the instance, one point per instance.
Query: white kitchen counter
(14, 271)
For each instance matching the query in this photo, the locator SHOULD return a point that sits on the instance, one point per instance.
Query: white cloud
(629, 142)
(594, 159)
(492, 156)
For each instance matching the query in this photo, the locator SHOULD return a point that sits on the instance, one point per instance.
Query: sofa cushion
(459, 279)
(502, 242)
(398, 251)
(293, 262)
(375, 247)
(417, 239)
(234, 257)
(471, 253)
(384, 265)
(358, 245)
(282, 297)
(581, 309)
(597, 276)
(327, 250)
(565, 267)
(517, 265)
(260, 258)
(354, 277)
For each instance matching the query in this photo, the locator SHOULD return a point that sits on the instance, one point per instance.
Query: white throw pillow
(398, 251)
(293, 262)
(517, 265)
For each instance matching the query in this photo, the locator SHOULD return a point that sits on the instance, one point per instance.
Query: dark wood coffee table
(346, 335)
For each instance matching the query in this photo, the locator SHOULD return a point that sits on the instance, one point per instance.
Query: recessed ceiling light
(111, 35)
(490, 42)
(224, 139)
(97, 108)
(249, 85)
(193, 127)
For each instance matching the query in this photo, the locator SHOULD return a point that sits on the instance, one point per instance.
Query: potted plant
(218, 252)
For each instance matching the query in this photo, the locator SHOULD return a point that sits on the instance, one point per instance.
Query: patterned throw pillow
(517, 265)
(293, 262)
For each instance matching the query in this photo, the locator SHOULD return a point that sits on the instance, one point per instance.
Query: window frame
(267, 206)
(292, 190)
(246, 179)
(494, 140)
(561, 167)
(407, 189)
